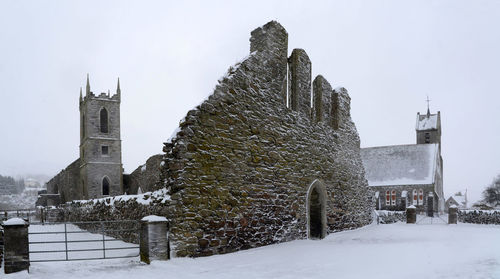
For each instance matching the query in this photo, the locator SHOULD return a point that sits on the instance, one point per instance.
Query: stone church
(99, 171)
(411, 174)
(272, 155)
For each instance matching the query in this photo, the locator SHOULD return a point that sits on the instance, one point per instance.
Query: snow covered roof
(425, 122)
(459, 199)
(411, 164)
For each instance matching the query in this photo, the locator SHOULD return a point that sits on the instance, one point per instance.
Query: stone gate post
(154, 244)
(411, 214)
(452, 215)
(430, 205)
(16, 245)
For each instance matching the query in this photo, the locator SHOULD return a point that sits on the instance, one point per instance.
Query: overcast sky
(169, 54)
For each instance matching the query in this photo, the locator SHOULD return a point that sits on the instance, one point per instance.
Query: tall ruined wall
(145, 176)
(239, 169)
(66, 183)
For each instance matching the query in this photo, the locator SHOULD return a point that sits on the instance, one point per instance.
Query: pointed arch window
(393, 195)
(388, 198)
(421, 196)
(104, 120)
(105, 186)
(415, 197)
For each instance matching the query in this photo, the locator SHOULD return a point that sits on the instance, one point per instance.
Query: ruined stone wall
(240, 167)
(145, 176)
(66, 183)
(237, 173)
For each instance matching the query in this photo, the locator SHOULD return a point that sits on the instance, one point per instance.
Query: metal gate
(83, 241)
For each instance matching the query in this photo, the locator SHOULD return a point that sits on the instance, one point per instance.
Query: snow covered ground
(77, 240)
(384, 251)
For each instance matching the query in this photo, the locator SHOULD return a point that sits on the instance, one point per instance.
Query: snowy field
(376, 251)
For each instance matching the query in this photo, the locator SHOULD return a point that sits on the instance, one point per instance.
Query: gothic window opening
(388, 198)
(415, 197)
(421, 196)
(104, 120)
(105, 186)
(393, 195)
(427, 137)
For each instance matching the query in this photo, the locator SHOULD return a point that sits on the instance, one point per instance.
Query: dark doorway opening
(316, 202)
(105, 186)
(315, 224)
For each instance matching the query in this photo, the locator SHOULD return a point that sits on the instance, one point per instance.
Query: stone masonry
(239, 169)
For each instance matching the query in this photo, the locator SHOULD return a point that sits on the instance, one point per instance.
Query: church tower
(101, 171)
(428, 128)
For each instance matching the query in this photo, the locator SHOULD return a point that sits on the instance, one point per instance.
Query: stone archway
(316, 210)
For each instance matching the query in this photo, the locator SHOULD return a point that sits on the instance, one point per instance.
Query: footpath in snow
(376, 251)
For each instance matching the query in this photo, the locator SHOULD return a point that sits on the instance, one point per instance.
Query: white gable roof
(413, 164)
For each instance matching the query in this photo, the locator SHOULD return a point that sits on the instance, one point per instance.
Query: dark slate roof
(400, 164)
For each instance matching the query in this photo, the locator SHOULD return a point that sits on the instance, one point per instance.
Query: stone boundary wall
(389, 217)
(479, 216)
(1, 245)
(126, 208)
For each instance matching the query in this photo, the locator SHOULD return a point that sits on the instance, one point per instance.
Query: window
(105, 150)
(393, 194)
(420, 196)
(104, 120)
(105, 186)
(427, 137)
(415, 197)
(388, 198)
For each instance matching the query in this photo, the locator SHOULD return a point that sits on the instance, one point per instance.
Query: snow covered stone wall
(479, 216)
(240, 166)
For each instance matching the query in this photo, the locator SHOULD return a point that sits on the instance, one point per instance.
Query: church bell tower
(101, 171)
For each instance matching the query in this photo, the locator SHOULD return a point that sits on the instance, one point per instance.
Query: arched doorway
(105, 186)
(316, 210)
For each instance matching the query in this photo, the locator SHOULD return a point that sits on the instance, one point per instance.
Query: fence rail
(83, 240)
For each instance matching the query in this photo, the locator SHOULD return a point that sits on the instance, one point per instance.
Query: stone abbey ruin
(256, 163)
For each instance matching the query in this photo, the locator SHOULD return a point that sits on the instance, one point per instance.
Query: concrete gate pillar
(411, 214)
(154, 244)
(452, 215)
(16, 245)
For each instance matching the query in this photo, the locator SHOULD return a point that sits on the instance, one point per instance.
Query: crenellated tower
(100, 144)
